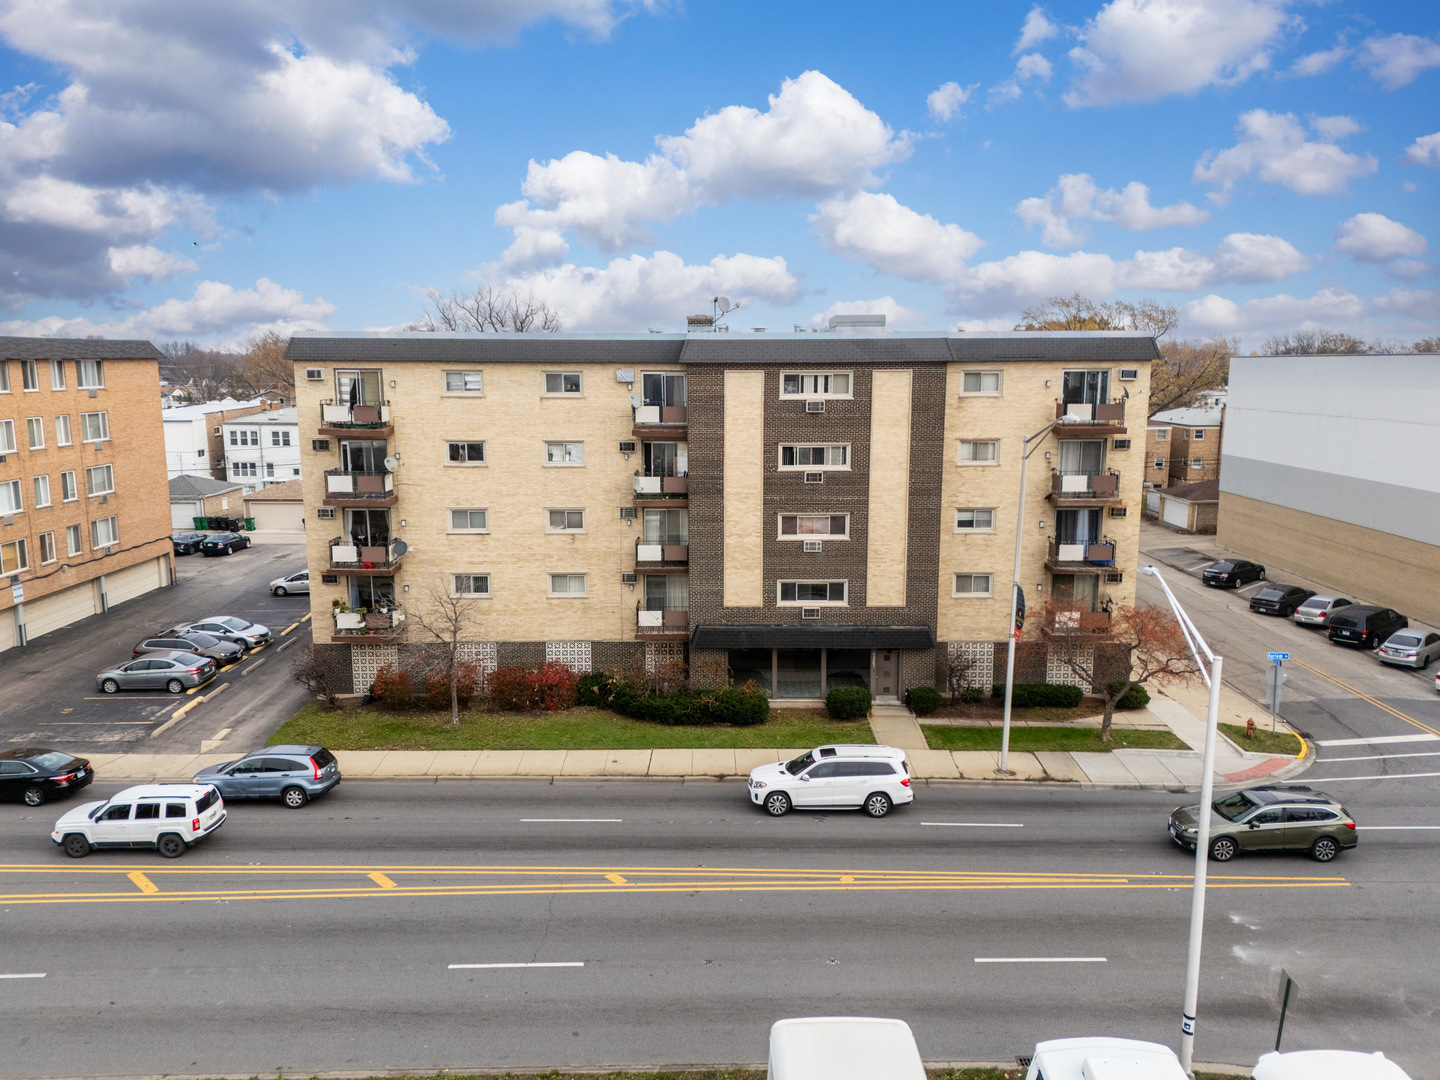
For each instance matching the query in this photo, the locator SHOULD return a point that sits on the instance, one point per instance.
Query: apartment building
(800, 511)
(262, 449)
(1195, 439)
(1157, 453)
(83, 499)
(194, 435)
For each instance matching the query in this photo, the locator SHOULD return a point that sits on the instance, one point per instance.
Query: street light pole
(1202, 823)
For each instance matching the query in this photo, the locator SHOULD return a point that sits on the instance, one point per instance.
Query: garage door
(7, 629)
(183, 515)
(1152, 503)
(1177, 513)
(131, 582)
(52, 612)
(278, 516)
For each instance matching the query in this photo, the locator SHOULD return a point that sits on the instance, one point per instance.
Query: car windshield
(234, 624)
(801, 763)
(1234, 806)
(1404, 639)
(205, 641)
(1270, 594)
(52, 760)
(1223, 564)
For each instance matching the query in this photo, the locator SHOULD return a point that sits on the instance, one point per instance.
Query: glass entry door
(1086, 387)
(362, 455)
(364, 384)
(1077, 526)
(666, 527)
(1082, 456)
(662, 388)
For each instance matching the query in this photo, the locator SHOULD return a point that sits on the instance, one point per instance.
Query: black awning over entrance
(790, 636)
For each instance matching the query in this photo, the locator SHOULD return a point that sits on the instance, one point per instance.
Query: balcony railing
(671, 622)
(1077, 622)
(343, 486)
(374, 625)
(1081, 555)
(660, 414)
(348, 555)
(1102, 414)
(675, 551)
(346, 418)
(1068, 486)
(661, 485)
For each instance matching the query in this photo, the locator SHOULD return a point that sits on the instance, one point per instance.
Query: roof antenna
(720, 306)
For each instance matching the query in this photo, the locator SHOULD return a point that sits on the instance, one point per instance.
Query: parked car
(1365, 625)
(834, 777)
(227, 628)
(1099, 1057)
(167, 817)
(1410, 648)
(292, 774)
(1232, 573)
(1279, 599)
(1326, 1065)
(173, 671)
(222, 652)
(1275, 817)
(295, 583)
(187, 543)
(225, 543)
(843, 1048)
(1317, 610)
(33, 775)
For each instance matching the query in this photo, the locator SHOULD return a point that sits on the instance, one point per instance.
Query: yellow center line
(143, 883)
(1366, 697)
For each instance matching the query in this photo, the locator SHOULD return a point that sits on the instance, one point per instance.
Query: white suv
(167, 817)
(834, 777)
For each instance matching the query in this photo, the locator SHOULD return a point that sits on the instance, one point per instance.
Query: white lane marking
(1040, 960)
(1378, 739)
(1200, 567)
(567, 819)
(560, 963)
(31, 975)
(1381, 757)
(1392, 776)
(974, 824)
(1395, 828)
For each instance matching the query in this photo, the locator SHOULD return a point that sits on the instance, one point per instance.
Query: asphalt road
(49, 694)
(323, 939)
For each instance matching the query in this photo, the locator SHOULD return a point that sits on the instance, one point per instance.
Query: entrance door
(885, 674)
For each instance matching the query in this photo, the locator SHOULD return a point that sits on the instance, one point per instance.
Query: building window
(1197, 463)
(799, 526)
(99, 480)
(269, 469)
(243, 468)
(980, 382)
(103, 532)
(72, 539)
(1162, 434)
(36, 428)
(464, 382)
(62, 430)
(567, 584)
(465, 453)
(10, 500)
(469, 521)
(565, 453)
(811, 592)
(562, 382)
(816, 384)
(828, 456)
(95, 427)
(4, 377)
(979, 451)
(1199, 433)
(215, 431)
(566, 521)
(974, 520)
(7, 436)
(90, 374)
(47, 548)
(67, 486)
(972, 584)
(1159, 463)
(42, 491)
(279, 438)
(29, 375)
(472, 585)
(14, 557)
(57, 382)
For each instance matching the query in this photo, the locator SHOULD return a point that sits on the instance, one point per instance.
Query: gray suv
(292, 774)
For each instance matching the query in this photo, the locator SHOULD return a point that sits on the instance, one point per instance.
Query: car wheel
(109, 686)
(1324, 849)
(279, 590)
(877, 805)
(170, 846)
(1261, 576)
(76, 846)
(294, 797)
(34, 796)
(777, 804)
(175, 686)
(1222, 849)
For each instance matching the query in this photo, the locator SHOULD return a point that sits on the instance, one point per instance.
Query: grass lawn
(575, 729)
(1264, 742)
(994, 709)
(1048, 738)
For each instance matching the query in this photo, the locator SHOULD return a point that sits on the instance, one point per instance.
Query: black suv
(1279, 599)
(1365, 626)
(1232, 573)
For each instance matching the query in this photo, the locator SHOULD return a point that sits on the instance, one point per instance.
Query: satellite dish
(723, 303)
(391, 464)
(401, 547)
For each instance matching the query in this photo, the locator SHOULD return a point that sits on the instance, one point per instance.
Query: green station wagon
(1277, 817)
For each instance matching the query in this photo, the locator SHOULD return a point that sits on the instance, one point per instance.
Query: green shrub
(848, 702)
(924, 700)
(972, 695)
(1041, 695)
(1137, 697)
(700, 708)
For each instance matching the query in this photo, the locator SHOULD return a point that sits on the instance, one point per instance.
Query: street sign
(1289, 990)
(1277, 656)
(17, 592)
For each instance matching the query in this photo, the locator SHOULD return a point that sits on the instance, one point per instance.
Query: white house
(262, 449)
(191, 435)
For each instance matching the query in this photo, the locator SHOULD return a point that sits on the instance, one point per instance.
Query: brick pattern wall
(1157, 448)
(1186, 450)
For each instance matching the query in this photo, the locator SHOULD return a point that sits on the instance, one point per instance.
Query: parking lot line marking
(132, 697)
(1379, 776)
(383, 881)
(143, 883)
(974, 824)
(564, 819)
(289, 628)
(259, 648)
(553, 964)
(1377, 739)
(26, 975)
(305, 617)
(287, 644)
(616, 879)
(94, 723)
(1381, 757)
(1041, 960)
(253, 666)
(1366, 697)
(1397, 828)
(194, 689)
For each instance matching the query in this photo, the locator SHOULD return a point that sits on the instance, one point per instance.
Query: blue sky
(175, 170)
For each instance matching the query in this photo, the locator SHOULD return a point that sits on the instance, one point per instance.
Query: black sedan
(187, 543)
(34, 775)
(1232, 573)
(224, 544)
(194, 641)
(1279, 599)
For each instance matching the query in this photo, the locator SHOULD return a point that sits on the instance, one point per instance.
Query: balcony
(660, 421)
(1083, 418)
(669, 624)
(1067, 623)
(1084, 489)
(661, 557)
(661, 487)
(368, 626)
(366, 421)
(352, 559)
(1081, 558)
(355, 489)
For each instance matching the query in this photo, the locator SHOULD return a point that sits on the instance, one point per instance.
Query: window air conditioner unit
(1129, 374)
(104, 499)
(1118, 511)
(814, 478)
(627, 448)
(1114, 579)
(329, 579)
(814, 406)
(315, 374)
(812, 545)
(1121, 444)
(627, 513)
(320, 445)
(628, 578)
(324, 511)
(809, 612)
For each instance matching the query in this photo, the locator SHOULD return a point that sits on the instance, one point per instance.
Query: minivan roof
(1102, 1058)
(1327, 1065)
(844, 1048)
(162, 791)
(861, 750)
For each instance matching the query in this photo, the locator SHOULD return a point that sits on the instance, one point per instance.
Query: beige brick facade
(1194, 453)
(1158, 438)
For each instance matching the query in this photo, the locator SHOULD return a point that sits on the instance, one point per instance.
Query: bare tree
(211, 374)
(1426, 345)
(450, 618)
(488, 310)
(1150, 635)
(318, 673)
(1078, 312)
(265, 368)
(1187, 369)
(960, 669)
(1316, 342)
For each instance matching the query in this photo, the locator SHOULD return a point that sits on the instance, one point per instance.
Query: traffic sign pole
(1276, 681)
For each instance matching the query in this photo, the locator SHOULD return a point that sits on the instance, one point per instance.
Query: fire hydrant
(1249, 729)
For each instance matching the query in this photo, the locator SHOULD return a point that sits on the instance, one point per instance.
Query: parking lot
(50, 697)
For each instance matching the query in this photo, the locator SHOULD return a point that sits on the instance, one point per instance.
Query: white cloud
(1266, 315)
(1075, 197)
(815, 139)
(945, 102)
(1274, 147)
(655, 290)
(1376, 238)
(1141, 50)
(1031, 67)
(145, 261)
(1036, 28)
(1397, 59)
(1425, 150)
(1318, 63)
(1415, 303)
(893, 238)
(897, 316)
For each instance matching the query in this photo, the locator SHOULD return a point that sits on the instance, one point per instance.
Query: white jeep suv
(167, 817)
(837, 776)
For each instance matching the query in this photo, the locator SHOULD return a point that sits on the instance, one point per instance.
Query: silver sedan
(1317, 610)
(294, 583)
(1410, 648)
(173, 671)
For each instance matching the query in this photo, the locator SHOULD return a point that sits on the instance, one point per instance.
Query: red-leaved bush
(393, 687)
(437, 687)
(550, 689)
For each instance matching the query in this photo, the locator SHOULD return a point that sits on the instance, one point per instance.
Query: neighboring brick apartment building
(1195, 438)
(84, 507)
(800, 510)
